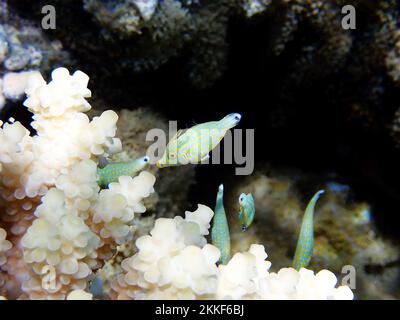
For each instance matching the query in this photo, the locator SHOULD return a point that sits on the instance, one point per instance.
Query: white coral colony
(59, 219)
(56, 222)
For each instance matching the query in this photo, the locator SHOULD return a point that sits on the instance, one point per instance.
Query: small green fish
(247, 210)
(111, 172)
(220, 230)
(193, 145)
(305, 243)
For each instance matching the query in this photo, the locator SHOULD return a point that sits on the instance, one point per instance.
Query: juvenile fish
(193, 145)
(247, 210)
(111, 172)
(220, 230)
(305, 243)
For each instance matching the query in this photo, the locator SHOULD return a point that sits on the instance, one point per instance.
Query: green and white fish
(220, 230)
(305, 243)
(247, 210)
(111, 172)
(193, 145)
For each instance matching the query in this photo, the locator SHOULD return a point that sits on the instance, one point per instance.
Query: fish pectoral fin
(178, 134)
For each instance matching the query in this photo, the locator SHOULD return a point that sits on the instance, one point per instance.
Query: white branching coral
(65, 135)
(239, 279)
(14, 84)
(114, 213)
(64, 94)
(80, 187)
(172, 262)
(304, 284)
(73, 239)
(79, 295)
(61, 225)
(5, 245)
(246, 276)
(61, 241)
(175, 262)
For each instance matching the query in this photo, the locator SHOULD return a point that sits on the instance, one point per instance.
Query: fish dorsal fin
(180, 142)
(178, 134)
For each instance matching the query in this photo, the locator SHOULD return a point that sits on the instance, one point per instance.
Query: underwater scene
(199, 150)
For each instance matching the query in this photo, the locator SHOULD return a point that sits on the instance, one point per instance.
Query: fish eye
(244, 228)
(238, 117)
(146, 159)
(241, 199)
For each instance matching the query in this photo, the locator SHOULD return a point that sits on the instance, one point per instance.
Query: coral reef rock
(23, 48)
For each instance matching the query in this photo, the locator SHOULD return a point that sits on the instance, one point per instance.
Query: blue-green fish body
(247, 210)
(220, 230)
(305, 243)
(193, 145)
(112, 172)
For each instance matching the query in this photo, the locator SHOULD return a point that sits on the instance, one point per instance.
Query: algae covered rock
(24, 48)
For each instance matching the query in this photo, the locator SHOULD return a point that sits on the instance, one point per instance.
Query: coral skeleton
(56, 217)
